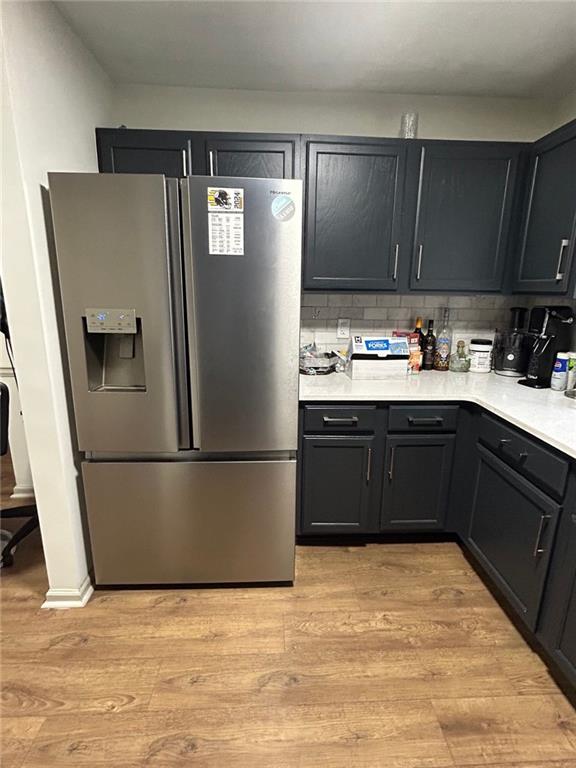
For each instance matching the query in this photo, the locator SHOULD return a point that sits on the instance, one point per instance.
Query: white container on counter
(480, 355)
(571, 370)
(559, 380)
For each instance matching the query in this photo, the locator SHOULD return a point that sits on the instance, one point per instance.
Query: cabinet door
(260, 157)
(126, 150)
(354, 195)
(511, 532)
(567, 644)
(416, 481)
(548, 235)
(463, 215)
(557, 626)
(337, 473)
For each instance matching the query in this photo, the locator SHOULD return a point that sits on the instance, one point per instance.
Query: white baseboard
(23, 492)
(69, 598)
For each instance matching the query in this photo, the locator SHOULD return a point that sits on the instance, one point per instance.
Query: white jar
(480, 355)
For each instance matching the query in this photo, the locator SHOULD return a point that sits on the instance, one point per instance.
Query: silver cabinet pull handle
(538, 550)
(369, 466)
(563, 244)
(391, 468)
(211, 159)
(184, 163)
(351, 420)
(396, 252)
(504, 442)
(419, 262)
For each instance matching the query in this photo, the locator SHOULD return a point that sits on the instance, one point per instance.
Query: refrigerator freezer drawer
(191, 522)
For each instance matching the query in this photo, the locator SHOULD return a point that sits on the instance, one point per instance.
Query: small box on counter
(377, 357)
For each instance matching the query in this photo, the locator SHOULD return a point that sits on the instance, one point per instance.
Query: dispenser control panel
(101, 320)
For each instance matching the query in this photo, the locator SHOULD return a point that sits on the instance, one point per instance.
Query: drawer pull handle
(432, 421)
(503, 442)
(369, 466)
(342, 420)
(523, 455)
(391, 467)
(538, 549)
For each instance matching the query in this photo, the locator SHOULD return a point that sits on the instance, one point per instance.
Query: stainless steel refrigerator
(181, 304)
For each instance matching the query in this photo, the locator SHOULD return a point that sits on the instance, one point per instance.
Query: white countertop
(543, 413)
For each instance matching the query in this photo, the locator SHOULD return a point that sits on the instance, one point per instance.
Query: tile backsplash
(475, 315)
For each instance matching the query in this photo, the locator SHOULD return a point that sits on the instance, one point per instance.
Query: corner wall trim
(69, 598)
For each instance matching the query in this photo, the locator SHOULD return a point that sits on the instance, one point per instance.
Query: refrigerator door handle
(177, 311)
(191, 314)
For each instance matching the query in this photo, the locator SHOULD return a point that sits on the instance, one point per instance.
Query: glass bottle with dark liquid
(429, 347)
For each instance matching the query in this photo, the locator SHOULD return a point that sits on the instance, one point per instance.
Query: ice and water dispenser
(114, 350)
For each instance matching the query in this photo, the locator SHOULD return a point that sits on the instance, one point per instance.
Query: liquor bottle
(418, 330)
(429, 347)
(443, 345)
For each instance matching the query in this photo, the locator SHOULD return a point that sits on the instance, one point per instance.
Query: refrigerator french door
(181, 305)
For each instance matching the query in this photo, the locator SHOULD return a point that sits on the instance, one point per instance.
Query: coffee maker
(512, 347)
(552, 329)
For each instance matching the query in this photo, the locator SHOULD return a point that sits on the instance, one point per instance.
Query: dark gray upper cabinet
(511, 531)
(337, 475)
(258, 156)
(416, 481)
(548, 236)
(173, 153)
(463, 214)
(354, 198)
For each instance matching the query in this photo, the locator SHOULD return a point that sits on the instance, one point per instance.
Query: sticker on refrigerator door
(226, 199)
(226, 234)
(283, 208)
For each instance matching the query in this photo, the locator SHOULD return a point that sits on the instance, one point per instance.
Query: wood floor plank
(320, 676)
(526, 670)
(128, 637)
(17, 735)
(42, 689)
(395, 735)
(492, 730)
(397, 630)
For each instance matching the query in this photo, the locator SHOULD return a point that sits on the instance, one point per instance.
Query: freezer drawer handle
(538, 550)
(350, 421)
(563, 245)
(432, 421)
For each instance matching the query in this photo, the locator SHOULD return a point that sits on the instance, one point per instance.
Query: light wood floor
(385, 656)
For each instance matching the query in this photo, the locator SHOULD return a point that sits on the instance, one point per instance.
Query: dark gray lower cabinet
(416, 481)
(511, 532)
(337, 476)
(557, 626)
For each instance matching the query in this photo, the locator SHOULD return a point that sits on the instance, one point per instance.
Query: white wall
(54, 94)
(23, 488)
(368, 114)
(565, 109)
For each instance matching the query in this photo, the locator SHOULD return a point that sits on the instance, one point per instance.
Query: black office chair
(29, 510)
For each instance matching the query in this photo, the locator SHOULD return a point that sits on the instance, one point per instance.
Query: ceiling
(484, 48)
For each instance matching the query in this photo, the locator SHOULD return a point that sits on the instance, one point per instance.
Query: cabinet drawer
(423, 418)
(331, 418)
(544, 468)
